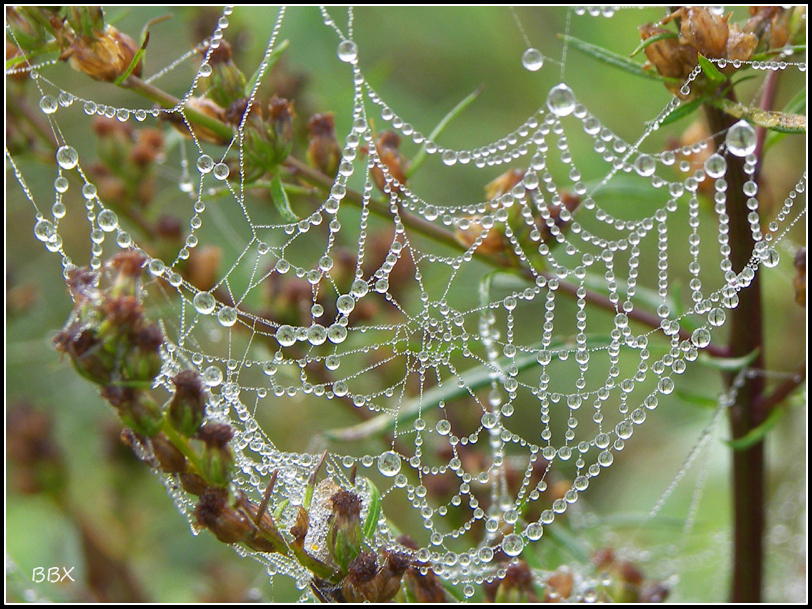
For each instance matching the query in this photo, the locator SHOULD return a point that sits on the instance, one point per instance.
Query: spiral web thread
(447, 352)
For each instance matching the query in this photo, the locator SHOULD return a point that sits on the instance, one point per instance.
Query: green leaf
(275, 55)
(280, 200)
(652, 39)
(729, 364)
(710, 70)
(420, 157)
(757, 434)
(696, 399)
(684, 110)
(617, 61)
(374, 511)
(783, 122)
(797, 105)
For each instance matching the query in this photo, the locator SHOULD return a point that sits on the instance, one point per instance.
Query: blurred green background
(422, 62)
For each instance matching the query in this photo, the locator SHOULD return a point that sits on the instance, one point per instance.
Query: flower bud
(188, 406)
(504, 183)
(172, 461)
(390, 157)
(206, 107)
(218, 458)
(360, 584)
(422, 587)
(280, 127)
(704, 31)
(492, 241)
(345, 534)
(226, 82)
(670, 58)
(559, 585)
(266, 537)
(103, 55)
(323, 152)
(214, 513)
(515, 587)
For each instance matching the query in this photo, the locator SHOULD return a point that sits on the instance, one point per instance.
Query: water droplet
(347, 51)
(359, 288)
(205, 163)
(716, 317)
(489, 420)
(90, 108)
(316, 334)
(741, 138)
(443, 427)
(89, 191)
(140, 115)
(701, 338)
(221, 171)
(337, 333)
(61, 184)
(204, 303)
(108, 220)
(345, 304)
(715, 165)
(205, 70)
(449, 157)
(340, 388)
(44, 230)
(332, 362)
(285, 335)
(645, 165)
(534, 531)
(48, 104)
(561, 100)
(532, 59)
(512, 544)
(227, 316)
(770, 257)
(666, 385)
(389, 464)
(122, 114)
(67, 157)
(212, 376)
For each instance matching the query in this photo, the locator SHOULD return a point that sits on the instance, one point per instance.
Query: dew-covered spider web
(482, 359)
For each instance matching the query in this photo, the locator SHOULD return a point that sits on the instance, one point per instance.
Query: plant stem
(746, 334)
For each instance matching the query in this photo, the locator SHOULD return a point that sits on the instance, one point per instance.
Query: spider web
(473, 382)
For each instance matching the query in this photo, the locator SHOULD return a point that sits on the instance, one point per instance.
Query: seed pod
(345, 534)
(105, 55)
(188, 406)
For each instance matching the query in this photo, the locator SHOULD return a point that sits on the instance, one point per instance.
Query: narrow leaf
(420, 157)
(797, 105)
(652, 39)
(757, 434)
(374, 512)
(684, 110)
(696, 399)
(617, 61)
(275, 55)
(280, 200)
(782, 122)
(729, 364)
(136, 58)
(710, 70)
